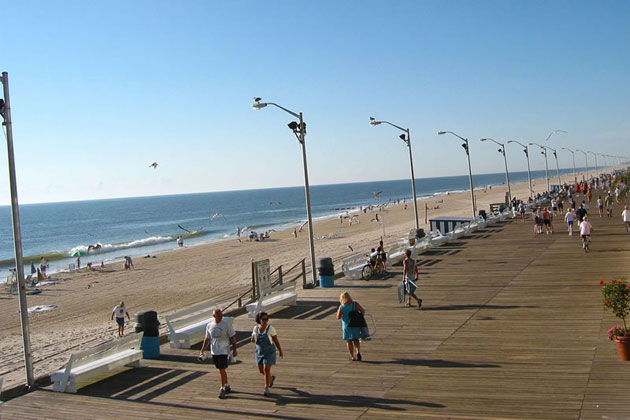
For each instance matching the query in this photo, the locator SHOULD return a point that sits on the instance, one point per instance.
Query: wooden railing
(278, 276)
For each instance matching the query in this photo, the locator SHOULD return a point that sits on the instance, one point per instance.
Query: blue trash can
(150, 347)
(326, 281)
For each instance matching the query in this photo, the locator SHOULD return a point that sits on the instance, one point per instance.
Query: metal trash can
(326, 281)
(326, 272)
(148, 323)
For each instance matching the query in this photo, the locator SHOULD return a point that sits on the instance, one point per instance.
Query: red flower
(601, 282)
(607, 303)
(614, 281)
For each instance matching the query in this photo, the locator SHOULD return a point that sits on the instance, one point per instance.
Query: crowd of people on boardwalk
(609, 189)
(220, 337)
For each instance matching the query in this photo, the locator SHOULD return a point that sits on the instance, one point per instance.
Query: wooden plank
(512, 326)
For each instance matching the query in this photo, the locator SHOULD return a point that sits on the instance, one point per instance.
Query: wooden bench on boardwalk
(95, 361)
(189, 326)
(280, 295)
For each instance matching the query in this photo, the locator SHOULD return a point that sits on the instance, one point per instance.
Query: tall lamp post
(544, 152)
(529, 172)
(507, 174)
(466, 147)
(299, 129)
(5, 111)
(596, 167)
(407, 141)
(573, 155)
(555, 155)
(586, 160)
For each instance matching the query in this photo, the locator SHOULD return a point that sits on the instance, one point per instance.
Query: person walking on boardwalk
(350, 334)
(120, 311)
(266, 340)
(585, 231)
(608, 202)
(625, 214)
(569, 218)
(220, 334)
(410, 270)
(600, 206)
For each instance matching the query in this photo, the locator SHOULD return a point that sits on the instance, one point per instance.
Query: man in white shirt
(625, 214)
(219, 334)
(119, 311)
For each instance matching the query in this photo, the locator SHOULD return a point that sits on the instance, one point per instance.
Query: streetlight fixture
(586, 159)
(5, 112)
(407, 141)
(299, 129)
(555, 155)
(507, 174)
(573, 155)
(529, 172)
(596, 166)
(544, 152)
(466, 147)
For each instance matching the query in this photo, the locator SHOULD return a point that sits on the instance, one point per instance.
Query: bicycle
(369, 270)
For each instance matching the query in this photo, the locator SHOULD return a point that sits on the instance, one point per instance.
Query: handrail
(280, 279)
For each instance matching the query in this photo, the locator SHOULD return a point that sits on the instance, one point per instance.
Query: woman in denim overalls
(266, 339)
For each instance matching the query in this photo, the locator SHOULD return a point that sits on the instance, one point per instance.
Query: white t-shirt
(585, 228)
(219, 336)
(569, 217)
(120, 311)
(626, 215)
(270, 331)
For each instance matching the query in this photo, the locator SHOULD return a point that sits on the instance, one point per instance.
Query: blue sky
(99, 90)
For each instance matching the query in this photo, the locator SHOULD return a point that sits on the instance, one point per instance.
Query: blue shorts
(120, 321)
(570, 223)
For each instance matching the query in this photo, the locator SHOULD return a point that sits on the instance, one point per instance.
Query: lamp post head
(373, 122)
(441, 132)
(483, 139)
(257, 105)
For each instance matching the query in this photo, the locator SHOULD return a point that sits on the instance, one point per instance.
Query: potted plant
(616, 296)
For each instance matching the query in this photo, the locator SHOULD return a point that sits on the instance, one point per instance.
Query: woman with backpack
(350, 334)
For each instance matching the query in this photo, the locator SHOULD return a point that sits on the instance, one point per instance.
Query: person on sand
(350, 334)
(219, 334)
(266, 340)
(128, 264)
(120, 311)
(410, 269)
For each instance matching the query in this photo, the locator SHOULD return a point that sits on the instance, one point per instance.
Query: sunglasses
(264, 319)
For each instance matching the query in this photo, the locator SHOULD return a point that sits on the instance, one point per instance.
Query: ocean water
(145, 225)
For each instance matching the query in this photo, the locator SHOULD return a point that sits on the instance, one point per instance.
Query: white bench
(280, 295)
(189, 326)
(96, 361)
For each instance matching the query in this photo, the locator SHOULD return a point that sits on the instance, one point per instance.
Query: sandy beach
(176, 279)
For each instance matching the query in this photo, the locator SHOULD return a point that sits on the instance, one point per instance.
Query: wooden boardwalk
(512, 326)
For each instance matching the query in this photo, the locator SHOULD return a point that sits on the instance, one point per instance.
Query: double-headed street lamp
(544, 152)
(586, 160)
(299, 129)
(507, 174)
(407, 141)
(529, 173)
(573, 155)
(466, 147)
